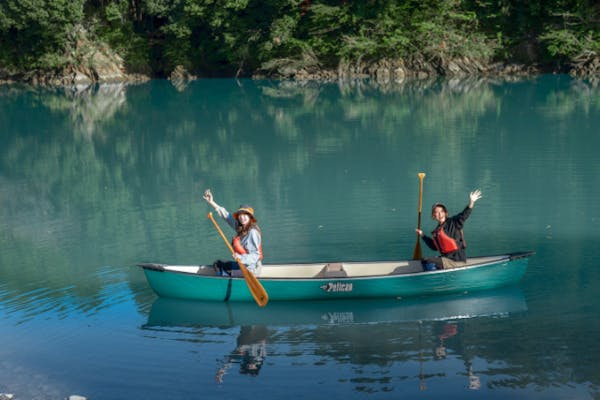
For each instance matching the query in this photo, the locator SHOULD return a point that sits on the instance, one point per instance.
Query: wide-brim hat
(246, 209)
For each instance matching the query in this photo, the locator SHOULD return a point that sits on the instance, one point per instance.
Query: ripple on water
(36, 300)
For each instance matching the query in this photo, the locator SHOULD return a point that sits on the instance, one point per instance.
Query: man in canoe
(247, 244)
(447, 237)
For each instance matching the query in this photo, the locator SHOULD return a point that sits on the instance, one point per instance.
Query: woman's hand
(208, 195)
(419, 232)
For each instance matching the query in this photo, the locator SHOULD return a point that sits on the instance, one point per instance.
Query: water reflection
(42, 299)
(449, 331)
(93, 105)
(250, 352)
(367, 333)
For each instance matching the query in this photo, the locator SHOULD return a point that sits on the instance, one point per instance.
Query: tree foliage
(239, 37)
(37, 33)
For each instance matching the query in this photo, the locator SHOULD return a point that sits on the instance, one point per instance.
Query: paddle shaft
(417, 255)
(256, 289)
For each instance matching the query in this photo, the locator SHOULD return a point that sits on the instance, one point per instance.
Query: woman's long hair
(243, 230)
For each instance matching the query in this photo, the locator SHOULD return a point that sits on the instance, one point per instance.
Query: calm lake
(94, 181)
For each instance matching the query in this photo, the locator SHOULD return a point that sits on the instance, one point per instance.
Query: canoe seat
(411, 267)
(332, 270)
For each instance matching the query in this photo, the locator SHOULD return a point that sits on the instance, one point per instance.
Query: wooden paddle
(417, 252)
(258, 291)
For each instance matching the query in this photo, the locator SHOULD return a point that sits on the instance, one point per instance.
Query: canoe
(339, 280)
(507, 301)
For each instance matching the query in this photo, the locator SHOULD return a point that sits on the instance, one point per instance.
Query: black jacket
(453, 226)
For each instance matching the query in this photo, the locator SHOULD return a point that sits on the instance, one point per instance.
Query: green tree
(37, 34)
(240, 37)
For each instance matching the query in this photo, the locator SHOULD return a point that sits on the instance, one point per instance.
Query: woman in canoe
(247, 244)
(447, 237)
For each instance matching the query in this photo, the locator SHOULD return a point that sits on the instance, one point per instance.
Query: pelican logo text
(338, 317)
(337, 287)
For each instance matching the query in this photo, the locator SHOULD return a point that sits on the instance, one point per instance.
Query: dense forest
(267, 37)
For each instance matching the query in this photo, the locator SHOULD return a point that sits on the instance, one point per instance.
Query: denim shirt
(251, 242)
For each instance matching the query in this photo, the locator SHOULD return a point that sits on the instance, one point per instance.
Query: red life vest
(238, 248)
(444, 243)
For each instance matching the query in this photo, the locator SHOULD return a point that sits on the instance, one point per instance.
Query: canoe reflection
(435, 332)
(175, 312)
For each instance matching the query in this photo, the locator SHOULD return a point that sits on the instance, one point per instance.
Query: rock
(89, 62)
(107, 67)
(181, 73)
(180, 77)
(81, 79)
(586, 65)
(422, 75)
(400, 73)
(453, 68)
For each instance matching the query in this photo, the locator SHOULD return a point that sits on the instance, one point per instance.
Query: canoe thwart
(412, 267)
(332, 270)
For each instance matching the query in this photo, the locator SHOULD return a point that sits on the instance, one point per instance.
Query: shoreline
(383, 71)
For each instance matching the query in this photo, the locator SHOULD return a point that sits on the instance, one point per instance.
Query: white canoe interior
(334, 269)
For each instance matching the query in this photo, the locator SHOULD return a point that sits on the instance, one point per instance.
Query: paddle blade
(256, 289)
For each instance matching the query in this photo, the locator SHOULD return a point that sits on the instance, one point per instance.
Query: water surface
(94, 181)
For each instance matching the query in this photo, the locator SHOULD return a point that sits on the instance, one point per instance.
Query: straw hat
(246, 209)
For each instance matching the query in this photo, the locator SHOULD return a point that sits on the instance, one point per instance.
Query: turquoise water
(93, 182)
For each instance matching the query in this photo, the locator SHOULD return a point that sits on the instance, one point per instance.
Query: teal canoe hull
(502, 271)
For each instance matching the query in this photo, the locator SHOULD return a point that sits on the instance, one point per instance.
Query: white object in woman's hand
(208, 195)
